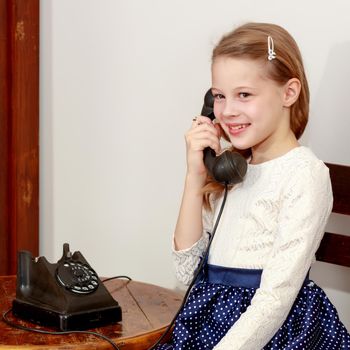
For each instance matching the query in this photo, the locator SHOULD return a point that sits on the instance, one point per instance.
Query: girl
(255, 292)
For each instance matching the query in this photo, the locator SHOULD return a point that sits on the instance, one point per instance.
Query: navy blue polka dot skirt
(217, 301)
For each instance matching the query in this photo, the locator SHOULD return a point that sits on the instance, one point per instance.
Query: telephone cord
(115, 346)
(115, 277)
(197, 272)
(36, 330)
(29, 329)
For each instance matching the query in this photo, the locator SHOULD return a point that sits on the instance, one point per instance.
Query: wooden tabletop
(147, 310)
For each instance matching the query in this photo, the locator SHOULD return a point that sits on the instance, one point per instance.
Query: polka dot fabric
(211, 310)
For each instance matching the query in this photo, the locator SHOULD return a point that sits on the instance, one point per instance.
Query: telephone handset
(229, 167)
(67, 295)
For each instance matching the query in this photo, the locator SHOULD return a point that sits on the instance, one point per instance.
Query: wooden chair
(335, 247)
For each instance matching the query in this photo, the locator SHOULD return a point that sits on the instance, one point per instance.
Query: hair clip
(271, 49)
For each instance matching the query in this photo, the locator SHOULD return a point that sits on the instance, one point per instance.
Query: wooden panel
(340, 177)
(147, 310)
(19, 124)
(334, 249)
(4, 147)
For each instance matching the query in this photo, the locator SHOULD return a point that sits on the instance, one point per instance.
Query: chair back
(335, 246)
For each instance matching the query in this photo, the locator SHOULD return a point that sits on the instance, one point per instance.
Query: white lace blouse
(274, 220)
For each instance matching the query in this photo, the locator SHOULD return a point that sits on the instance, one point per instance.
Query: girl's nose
(230, 109)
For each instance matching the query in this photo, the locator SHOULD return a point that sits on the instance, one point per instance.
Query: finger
(198, 142)
(218, 129)
(200, 145)
(202, 132)
(196, 122)
(204, 128)
(202, 120)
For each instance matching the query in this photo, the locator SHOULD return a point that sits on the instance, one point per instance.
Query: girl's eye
(218, 96)
(244, 94)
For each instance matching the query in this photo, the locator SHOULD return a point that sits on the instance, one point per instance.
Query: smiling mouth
(238, 126)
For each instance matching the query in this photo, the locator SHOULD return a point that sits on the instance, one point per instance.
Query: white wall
(120, 83)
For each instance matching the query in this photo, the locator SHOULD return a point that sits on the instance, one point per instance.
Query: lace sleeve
(186, 260)
(305, 208)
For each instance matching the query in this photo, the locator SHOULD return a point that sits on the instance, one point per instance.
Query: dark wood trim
(4, 132)
(340, 176)
(19, 191)
(334, 249)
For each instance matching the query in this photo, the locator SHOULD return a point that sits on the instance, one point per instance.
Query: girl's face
(249, 107)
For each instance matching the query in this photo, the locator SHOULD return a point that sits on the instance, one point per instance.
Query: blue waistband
(235, 277)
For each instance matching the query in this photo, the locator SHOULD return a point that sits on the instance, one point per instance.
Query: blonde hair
(250, 41)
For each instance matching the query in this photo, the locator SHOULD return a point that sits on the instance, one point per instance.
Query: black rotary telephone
(67, 295)
(229, 167)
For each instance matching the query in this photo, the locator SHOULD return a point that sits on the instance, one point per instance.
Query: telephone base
(67, 322)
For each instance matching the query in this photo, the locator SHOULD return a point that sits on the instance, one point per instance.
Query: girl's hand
(203, 133)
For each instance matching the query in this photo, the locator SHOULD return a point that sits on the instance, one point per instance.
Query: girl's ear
(291, 91)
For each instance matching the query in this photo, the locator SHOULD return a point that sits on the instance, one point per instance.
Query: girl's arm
(189, 227)
(306, 205)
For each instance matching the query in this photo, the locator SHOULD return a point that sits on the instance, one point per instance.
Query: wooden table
(147, 310)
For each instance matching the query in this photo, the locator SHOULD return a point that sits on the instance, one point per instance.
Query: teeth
(241, 126)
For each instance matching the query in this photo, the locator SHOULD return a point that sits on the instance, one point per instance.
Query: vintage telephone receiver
(229, 167)
(67, 295)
